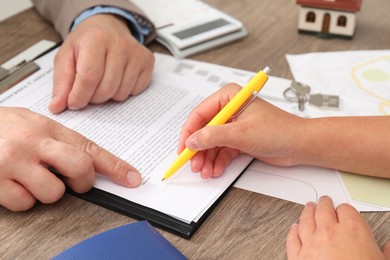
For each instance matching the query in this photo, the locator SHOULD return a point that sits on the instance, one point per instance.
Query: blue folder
(138, 240)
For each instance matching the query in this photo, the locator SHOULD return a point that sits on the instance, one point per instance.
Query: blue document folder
(138, 240)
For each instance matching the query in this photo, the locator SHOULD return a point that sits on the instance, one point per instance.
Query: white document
(144, 131)
(296, 184)
(360, 78)
(299, 184)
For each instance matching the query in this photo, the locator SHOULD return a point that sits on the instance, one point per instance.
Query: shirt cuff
(138, 31)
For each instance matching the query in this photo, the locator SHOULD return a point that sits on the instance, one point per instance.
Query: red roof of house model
(343, 5)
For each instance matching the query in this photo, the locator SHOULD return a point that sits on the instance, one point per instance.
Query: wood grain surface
(245, 225)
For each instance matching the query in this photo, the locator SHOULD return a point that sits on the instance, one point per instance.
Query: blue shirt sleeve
(139, 31)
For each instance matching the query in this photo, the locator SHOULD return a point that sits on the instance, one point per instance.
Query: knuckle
(54, 194)
(104, 93)
(58, 57)
(343, 206)
(81, 189)
(53, 189)
(120, 97)
(327, 235)
(123, 44)
(354, 225)
(139, 88)
(8, 151)
(85, 160)
(91, 147)
(243, 128)
(97, 33)
(205, 138)
(22, 205)
(24, 202)
(84, 164)
(90, 76)
(233, 87)
(76, 100)
(150, 59)
(46, 144)
(119, 167)
(28, 135)
(109, 87)
(39, 119)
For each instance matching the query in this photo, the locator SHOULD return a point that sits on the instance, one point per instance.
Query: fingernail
(294, 226)
(310, 204)
(192, 143)
(134, 178)
(54, 99)
(324, 197)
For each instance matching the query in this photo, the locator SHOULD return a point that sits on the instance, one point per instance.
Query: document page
(299, 184)
(361, 80)
(144, 131)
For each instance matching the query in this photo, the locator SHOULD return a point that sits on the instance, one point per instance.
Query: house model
(328, 17)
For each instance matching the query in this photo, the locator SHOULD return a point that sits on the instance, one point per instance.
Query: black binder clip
(9, 78)
(23, 65)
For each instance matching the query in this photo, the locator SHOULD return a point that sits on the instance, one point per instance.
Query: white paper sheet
(360, 78)
(299, 184)
(315, 180)
(144, 131)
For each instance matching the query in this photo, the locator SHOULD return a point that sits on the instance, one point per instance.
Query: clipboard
(23, 65)
(117, 203)
(140, 212)
(156, 218)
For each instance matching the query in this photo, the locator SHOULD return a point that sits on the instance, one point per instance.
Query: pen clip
(243, 107)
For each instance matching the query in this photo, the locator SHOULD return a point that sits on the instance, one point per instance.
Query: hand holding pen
(278, 137)
(216, 112)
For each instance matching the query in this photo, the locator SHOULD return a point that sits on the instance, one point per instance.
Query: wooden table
(245, 225)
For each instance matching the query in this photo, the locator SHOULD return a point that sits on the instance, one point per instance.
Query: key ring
(290, 98)
(296, 88)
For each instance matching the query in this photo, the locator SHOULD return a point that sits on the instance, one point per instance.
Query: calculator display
(200, 29)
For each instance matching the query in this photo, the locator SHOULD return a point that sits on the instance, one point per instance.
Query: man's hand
(99, 60)
(30, 144)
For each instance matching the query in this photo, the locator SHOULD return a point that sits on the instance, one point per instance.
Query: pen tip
(162, 179)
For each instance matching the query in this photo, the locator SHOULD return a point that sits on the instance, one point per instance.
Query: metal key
(301, 92)
(324, 101)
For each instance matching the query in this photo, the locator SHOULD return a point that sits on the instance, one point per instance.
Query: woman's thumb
(210, 137)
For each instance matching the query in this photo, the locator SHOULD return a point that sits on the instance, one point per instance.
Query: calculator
(187, 27)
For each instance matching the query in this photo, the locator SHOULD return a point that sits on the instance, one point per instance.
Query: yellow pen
(253, 86)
